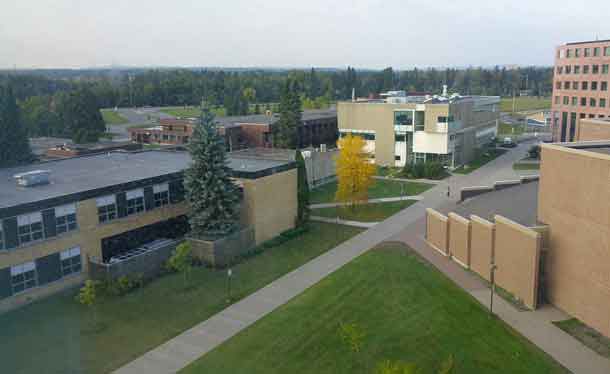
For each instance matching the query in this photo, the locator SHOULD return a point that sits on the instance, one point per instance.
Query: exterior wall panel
(459, 239)
(437, 231)
(482, 234)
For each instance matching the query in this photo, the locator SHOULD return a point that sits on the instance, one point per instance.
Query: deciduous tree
(354, 171)
(181, 261)
(14, 143)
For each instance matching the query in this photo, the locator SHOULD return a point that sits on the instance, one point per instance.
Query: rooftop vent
(32, 178)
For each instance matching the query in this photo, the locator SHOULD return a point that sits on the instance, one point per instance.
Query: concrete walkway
(420, 180)
(371, 201)
(339, 221)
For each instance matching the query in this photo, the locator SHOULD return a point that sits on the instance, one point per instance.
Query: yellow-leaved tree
(354, 171)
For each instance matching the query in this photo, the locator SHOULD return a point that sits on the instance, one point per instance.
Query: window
(568, 69)
(558, 85)
(65, 218)
(557, 100)
(106, 208)
(587, 52)
(605, 69)
(574, 85)
(568, 53)
(367, 136)
(594, 86)
(29, 227)
(576, 69)
(595, 69)
(583, 115)
(602, 103)
(583, 101)
(592, 102)
(591, 115)
(559, 69)
(566, 85)
(585, 69)
(420, 118)
(403, 118)
(604, 86)
(577, 52)
(23, 277)
(585, 85)
(596, 52)
(443, 119)
(606, 51)
(70, 261)
(161, 194)
(135, 201)
(396, 157)
(400, 138)
(574, 101)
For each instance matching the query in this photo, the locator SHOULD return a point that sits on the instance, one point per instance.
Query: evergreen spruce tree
(213, 197)
(302, 190)
(290, 116)
(14, 143)
(81, 116)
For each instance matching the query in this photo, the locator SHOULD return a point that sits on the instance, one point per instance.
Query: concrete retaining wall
(222, 252)
(459, 239)
(468, 192)
(482, 233)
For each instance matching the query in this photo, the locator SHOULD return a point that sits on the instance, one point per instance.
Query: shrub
(433, 169)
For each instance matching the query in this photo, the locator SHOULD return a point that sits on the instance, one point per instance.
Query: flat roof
(97, 172)
(589, 42)
(263, 119)
(518, 203)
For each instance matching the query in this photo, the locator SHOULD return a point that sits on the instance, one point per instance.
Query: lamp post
(229, 276)
(492, 269)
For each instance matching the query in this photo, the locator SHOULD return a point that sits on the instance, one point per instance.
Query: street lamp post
(229, 276)
(493, 268)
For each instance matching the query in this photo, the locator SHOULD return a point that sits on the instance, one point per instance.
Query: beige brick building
(103, 206)
(403, 129)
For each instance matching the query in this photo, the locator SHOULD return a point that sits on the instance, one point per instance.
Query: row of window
(576, 69)
(364, 135)
(575, 85)
(25, 276)
(107, 205)
(30, 226)
(584, 52)
(574, 101)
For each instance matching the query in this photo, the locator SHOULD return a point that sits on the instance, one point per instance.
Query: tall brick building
(580, 86)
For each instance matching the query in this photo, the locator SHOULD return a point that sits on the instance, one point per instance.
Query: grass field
(525, 166)
(53, 335)
(480, 161)
(406, 311)
(113, 118)
(523, 103)
(365, 212)
(190, 111)
(380, 188)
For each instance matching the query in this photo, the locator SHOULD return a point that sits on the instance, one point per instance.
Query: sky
(285, 33)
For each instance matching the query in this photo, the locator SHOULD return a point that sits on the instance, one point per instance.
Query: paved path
(420, 180)
(407, 226)
(371, 201)
(339, 221)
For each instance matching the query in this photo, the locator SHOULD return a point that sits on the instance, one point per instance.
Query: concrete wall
(482, 236)
(517, 257)
(574, 201)
(459, 239)
(321, 167)
(592, 129)
(437, 231)
(515, 249)
(270, 204)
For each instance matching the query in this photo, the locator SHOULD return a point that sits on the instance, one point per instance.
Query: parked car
(508, 143)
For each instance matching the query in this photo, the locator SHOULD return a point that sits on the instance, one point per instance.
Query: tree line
(66, 104)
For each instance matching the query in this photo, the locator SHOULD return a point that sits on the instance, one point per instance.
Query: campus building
(549, 240)
(580, 86)
(252, 131)
(403, 129)
(56, 217)
(592, 129)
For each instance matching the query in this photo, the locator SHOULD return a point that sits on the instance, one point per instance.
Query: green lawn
(373, 212)
(407, 311)
(53, 335)
(480, 161)
(506, 129)
(523, 103)
(190, 111)
(525, 166)
(380, 188)
(113, 118)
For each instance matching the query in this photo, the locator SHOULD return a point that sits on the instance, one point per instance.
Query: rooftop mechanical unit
(32, 178)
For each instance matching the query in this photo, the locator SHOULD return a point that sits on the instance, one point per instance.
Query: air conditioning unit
(32, 178)
(322, 147)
